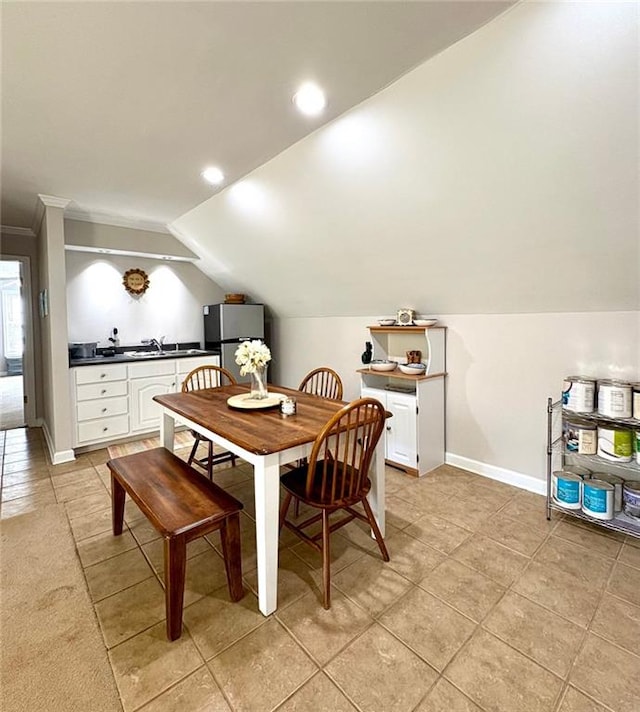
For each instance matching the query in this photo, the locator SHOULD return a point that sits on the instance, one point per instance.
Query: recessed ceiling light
(213, 175)
(310, 99)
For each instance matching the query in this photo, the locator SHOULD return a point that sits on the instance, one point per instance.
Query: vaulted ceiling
(119, 106)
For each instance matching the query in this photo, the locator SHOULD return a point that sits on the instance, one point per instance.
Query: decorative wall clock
(405, 317)
(136, 281)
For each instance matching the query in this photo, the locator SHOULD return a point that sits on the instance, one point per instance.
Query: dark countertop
(153, 356)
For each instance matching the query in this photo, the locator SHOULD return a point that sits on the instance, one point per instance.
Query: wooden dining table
(266, 439)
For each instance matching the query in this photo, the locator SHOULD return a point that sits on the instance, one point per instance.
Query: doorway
(16, 344)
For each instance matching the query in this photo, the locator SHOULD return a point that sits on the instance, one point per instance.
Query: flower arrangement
(251, 356)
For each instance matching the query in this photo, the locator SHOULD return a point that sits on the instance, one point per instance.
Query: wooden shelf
(397, 373)
(403, 329)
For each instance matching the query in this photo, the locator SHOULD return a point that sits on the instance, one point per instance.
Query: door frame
(28, 361)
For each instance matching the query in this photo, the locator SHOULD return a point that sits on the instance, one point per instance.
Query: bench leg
(175, 559)
(232, 552)
(117, 505)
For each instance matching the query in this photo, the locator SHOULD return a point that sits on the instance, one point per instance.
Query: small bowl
(413, 369)
(386, 322)
(424, 322)
(380, 365)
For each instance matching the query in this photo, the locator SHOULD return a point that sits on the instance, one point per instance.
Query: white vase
(259, 383)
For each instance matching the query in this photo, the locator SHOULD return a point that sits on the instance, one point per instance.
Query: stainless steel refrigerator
(226, 325)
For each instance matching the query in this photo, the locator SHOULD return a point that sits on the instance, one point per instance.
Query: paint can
(617, 483)
(636, 401)
(614, 399)
(577, 470)
(631, 499)
(597, 499)
(581, 436)
(615, 444)
(567, 489)
(578, 394)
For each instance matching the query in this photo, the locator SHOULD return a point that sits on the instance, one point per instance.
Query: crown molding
(99, 218)
(18, 231)
(52, 201)
(46, 201)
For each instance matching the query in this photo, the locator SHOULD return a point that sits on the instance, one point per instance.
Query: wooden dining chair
(198, 379)
(335, 477)
(323, 381)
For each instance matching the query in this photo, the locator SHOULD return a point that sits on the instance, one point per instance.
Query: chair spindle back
(207, 377)
(341, 455)
(323, 382)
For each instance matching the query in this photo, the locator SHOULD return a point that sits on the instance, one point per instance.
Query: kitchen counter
(132, 356)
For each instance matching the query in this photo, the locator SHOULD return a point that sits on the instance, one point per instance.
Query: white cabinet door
(400, 434)
(401, 443)
(145, 412)
(382, 397)
(374, 393)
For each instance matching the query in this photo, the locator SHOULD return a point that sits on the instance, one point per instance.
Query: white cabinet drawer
(90, 391)
(104, 408)
(101, 374)
(162, 367)
(103, 429)
(185, 365)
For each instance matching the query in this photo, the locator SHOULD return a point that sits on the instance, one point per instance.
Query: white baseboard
(510, 477)
(57, 458)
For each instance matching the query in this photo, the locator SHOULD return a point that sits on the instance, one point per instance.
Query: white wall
(55, 359)
(496, 187)
(499, 177)
(502, 368)
(171, 306)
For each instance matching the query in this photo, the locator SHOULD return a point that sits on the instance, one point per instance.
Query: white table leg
(267, 493)
(377, 495)
(167, 430)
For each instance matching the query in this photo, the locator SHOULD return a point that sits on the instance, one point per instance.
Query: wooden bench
(182, 505)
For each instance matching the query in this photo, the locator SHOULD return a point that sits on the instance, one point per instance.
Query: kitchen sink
(144, 354)
(164, 354)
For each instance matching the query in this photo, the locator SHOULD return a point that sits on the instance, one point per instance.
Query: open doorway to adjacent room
(12, 343)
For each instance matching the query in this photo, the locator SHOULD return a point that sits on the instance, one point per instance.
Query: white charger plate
(244, 401)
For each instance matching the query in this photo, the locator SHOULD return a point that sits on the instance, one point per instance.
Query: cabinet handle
(103, 391)
(104, 410)
(104, 430)
(389, 428)
(103, 375)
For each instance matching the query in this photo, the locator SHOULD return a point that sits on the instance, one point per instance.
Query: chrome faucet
(158, 343)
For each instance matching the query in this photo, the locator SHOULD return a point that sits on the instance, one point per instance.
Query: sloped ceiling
(118, 106)
(500, 176)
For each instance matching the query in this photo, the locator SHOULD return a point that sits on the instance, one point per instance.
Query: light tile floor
(11, 402)
(485, 605)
